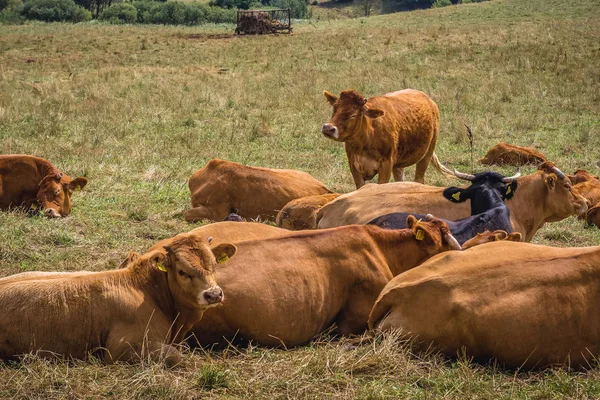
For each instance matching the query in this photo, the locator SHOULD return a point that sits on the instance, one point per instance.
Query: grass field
(137, 109)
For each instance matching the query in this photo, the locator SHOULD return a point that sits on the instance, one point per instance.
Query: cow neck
(155, 283)
(400, 248)
(45, 168)
(363, 134)
(524, 208)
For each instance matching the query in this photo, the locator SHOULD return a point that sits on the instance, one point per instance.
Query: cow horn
(452, 242)
(512, 178)
(364, 101)
(558, 172)
(429, 217)
(462, 175)
(59, 176)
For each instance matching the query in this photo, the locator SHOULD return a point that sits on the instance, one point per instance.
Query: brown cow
(525, 305)
(509, 154)
(28, 181)
(581, 175)
(301, 213)
(487, 236)
(119, 315)
(285, 291)
(544, 196)
(385, 134)
(254, 192)
(219, 232)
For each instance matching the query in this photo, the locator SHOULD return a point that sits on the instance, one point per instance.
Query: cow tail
(440, 167)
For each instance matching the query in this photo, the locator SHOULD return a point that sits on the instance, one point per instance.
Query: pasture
(137, 109)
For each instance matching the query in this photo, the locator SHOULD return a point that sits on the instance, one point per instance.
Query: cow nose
(51, 213)
(213, 295)
(330, 130)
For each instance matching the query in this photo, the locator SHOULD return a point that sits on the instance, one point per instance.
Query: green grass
(137, 109)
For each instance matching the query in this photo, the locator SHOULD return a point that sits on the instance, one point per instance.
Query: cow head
(190, 264)
(562, 200)
(54, 194)
(488, 236)
(581, 175)
(487, 190)
(349, 113)
(433, 233)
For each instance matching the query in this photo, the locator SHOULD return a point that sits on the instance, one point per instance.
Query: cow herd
(449, 268)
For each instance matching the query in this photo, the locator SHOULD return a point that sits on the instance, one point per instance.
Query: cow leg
(201, 212)
(385, 172)
(398, 174)
(164, 353)
(422, 165)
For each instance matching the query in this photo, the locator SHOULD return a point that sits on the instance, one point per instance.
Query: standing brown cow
(385, 134)
(27, 181)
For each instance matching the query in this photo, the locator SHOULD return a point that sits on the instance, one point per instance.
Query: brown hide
(254, 192)
(27, 181)
(385, 134)
(581, 175)
(542, 197)
(285, 291)
(301, 213)
(487, 236)
(526, 305)
(123, 314)
(508, 154)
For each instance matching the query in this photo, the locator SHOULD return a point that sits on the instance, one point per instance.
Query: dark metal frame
(283, 16)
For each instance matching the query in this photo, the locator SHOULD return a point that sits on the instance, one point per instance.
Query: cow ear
(159, 260)
(515, 237)
(374, 113)
(455, 194)
(224, 252)
(421, 233)
(500, 235)
(131, 258)
(331, 98)
(78, 183)
(410, 221)
(510, 190)
(551, 181)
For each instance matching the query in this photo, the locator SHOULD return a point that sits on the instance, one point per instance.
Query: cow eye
(181, 273)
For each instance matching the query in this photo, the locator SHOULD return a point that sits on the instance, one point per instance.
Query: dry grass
(137, 109)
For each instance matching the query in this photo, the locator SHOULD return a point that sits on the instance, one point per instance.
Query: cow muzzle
(51, 213)
(330, 130)
(214, 295)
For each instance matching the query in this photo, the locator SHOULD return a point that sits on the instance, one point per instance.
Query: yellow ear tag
(508, 190)
(78, 187)
(223, 258)
(419, 235)
(34, 206)
(456, 196)
(161, 267)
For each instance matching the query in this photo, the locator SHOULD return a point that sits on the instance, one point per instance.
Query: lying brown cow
(509, 154)
(385, 134)
(544, 196)
(487, 236)
(255, 192)
(301, 213)
(119, 315)
(219, 232)
(285, 291)
(581, 175)
(27, 181)
(523, 304)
